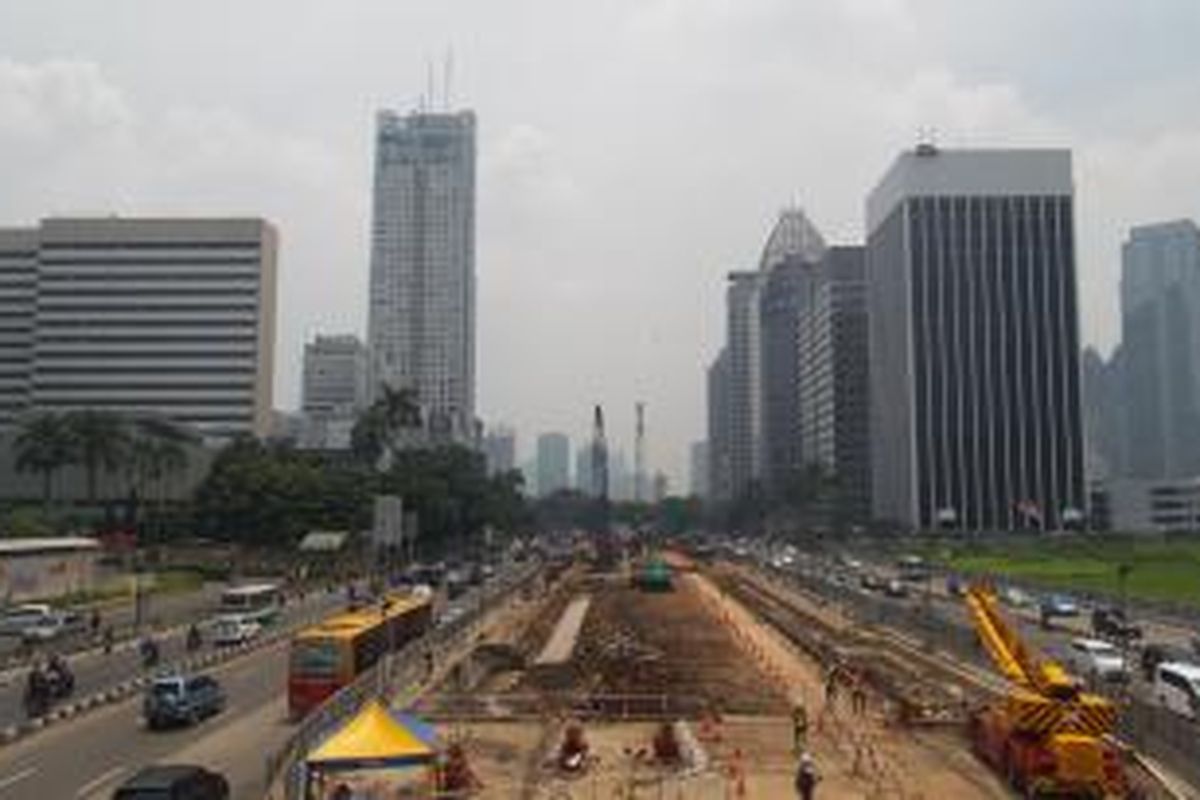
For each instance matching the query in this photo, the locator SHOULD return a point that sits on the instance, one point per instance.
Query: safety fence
(1166, 737)
(397, 674)
(567, 705)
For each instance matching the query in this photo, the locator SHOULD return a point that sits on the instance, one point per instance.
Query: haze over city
(630, 154)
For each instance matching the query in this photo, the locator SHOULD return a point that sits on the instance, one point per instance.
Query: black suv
(174, 782)
(1111, 622)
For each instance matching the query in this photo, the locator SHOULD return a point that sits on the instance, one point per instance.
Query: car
(1113, 622)
(233, 630)
(181, 699)
(1098, 660)
(871, 582)
(56, 624)
(1059, 605)
(174, 782)
(1155, 653)
(15, 621)
(1177, 687)
(895, 588)
(1016, 597)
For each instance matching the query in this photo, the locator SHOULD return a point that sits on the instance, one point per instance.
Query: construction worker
(806, 777)
(832, 681)
(799, 727)
(858, 695)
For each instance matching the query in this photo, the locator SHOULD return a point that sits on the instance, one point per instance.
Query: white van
(1177, 687)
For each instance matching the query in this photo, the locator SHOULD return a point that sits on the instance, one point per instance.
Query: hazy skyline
(630, 153)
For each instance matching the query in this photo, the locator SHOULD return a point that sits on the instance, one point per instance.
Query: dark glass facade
(997, 440)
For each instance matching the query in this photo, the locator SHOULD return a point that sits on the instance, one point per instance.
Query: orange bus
(331, 654)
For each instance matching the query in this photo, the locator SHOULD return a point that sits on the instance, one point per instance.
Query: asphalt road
(95, 671)
(89, 757)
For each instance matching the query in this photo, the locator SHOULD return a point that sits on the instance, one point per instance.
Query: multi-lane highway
(97, 671)
(88, 757)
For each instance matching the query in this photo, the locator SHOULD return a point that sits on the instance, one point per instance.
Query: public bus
(256, 602)
(331, 654)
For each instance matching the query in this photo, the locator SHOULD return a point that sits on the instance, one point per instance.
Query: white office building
(422, 303)
(174, 317)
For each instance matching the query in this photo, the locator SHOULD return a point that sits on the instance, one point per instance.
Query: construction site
(664, 677)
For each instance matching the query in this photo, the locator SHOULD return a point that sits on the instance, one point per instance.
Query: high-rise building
(422, 305)
(744, 382)
(698, 469)
(500, 449)
(553, 463)
(18, 311)
(335, 376)
(1160, 344)
(584, 482)
(173, 317)
(790, 258)
(833, 378)
(719, 480)
(974, 351)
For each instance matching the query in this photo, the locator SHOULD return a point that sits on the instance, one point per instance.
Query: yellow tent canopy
(375, 738)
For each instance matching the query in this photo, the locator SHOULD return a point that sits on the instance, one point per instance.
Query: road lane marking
(16, 777)
(97, 782)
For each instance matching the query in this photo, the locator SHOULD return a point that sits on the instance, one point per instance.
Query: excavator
(1048, 736)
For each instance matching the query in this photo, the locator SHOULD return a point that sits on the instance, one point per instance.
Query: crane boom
(1009, 652)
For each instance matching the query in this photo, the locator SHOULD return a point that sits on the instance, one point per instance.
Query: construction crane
(1047, 736)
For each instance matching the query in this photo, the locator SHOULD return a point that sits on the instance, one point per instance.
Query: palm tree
(102, 438)
(44, 446)
(377, 428)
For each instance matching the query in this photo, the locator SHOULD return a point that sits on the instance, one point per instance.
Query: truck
(1047, 736)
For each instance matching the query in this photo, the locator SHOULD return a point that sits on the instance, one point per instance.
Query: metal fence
(1164, 736)
(404, 669)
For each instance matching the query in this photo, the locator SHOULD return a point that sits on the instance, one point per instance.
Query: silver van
(1177, 687)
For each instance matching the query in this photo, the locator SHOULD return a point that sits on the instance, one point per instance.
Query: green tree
(44, 445)
(379, 429)
(101, 438)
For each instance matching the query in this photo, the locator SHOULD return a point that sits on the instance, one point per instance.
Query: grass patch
(1160, 570)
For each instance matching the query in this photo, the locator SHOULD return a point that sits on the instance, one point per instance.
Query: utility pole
(600, 466)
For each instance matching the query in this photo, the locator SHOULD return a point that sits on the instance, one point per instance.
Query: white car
(56, 624)
(230, 631)
(1098, 660)
(1177, 687)
(17, 620)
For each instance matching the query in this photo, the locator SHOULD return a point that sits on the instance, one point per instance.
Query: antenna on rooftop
(447, 77)
(430, 92)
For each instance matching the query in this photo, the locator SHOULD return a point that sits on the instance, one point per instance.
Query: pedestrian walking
(109, 636)
(832, 685)
(799, 728)
(94, 622)
(806, 777)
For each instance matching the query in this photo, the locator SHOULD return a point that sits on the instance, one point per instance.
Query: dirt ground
(645, 643)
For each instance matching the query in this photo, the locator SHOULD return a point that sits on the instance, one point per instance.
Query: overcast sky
(631, 151)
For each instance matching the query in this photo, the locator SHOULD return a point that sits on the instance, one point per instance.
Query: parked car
(1177, 687)
(1113, 623)
(895, 588)
(1098, 660)
(180, 699)
(230, 631)
(1155, 653)
(15, 621)
(174, 782)
(54, 625)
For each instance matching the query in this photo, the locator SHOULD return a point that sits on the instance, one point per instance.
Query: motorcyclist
(194, 639)
(149, 650)
(37, 692)
(60, 679)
